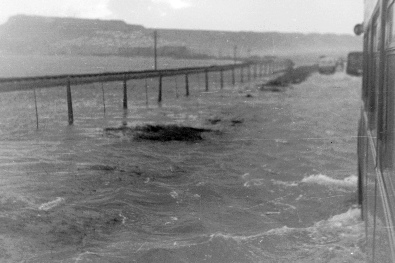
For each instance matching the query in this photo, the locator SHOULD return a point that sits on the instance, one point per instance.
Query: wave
(342, 224)
(349, 182)
(321, 179)
(49, 205)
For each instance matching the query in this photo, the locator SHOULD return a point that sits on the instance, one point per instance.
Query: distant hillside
(50, 35)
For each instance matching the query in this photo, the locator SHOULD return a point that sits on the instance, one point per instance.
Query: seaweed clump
(163, 133)
(291, 76)
(169, 133)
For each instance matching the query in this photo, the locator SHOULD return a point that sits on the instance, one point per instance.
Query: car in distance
(327, 65)
(354, 63)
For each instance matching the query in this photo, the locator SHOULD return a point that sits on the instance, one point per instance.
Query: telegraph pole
(155, 50)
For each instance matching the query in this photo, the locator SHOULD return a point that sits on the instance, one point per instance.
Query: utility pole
(155, 50)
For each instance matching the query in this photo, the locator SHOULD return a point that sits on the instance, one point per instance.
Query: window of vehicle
(390, 29)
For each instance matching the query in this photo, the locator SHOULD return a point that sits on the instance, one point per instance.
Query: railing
(258, 68)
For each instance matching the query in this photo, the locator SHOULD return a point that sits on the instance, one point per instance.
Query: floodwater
(276, 182)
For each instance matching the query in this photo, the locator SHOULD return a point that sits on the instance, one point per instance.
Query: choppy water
(277, 185)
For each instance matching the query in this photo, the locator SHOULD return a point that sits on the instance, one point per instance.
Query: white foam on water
(281, 141)
(173, 194)
(338, 235)
(244, 176)
(349, 218)
(281, 231)
(49, 205)
(123, 218)
(283, 183)
(342, 225)
(321, 179)
(254, 182)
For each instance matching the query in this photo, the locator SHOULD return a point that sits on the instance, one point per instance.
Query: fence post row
(69, 102)
(259, 69)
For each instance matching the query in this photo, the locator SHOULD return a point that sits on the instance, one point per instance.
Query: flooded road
(276, 182)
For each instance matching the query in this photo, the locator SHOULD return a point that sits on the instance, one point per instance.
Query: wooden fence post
(35, 105)
(104, 100)
(249, 73)
(125, 93)
(206, 77)
(160, 89)
(221, 78)
(242, 74)
(255, 71)
(233, 77)
(69, 102)
(175, 80)
(186, 85)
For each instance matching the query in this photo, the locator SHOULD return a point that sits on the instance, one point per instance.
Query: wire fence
(246, 72)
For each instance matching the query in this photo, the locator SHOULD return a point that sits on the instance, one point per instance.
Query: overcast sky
(307, 16)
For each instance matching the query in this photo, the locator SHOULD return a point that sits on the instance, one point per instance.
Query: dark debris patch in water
(163, 133)
(100, 167)
(232, 122)
(291, 76)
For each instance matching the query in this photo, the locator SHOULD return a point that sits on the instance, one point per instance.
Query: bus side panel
(369, 202)
(377, 235)
(381, 235)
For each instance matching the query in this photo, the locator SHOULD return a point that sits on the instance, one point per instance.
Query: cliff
(52, 35)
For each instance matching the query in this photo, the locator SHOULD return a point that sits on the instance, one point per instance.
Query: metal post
(125, 93)
(160, 89)
(69, 102)
(186, 85)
